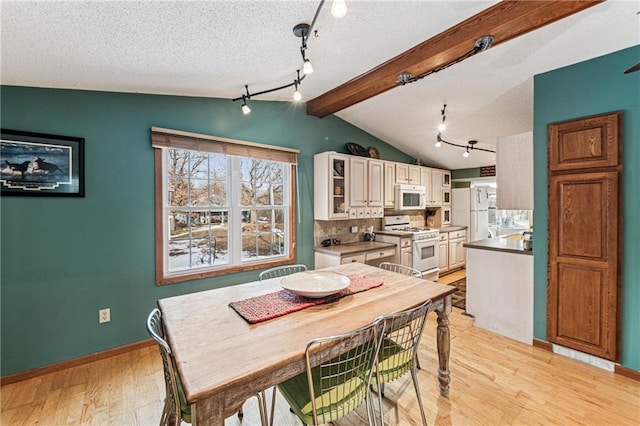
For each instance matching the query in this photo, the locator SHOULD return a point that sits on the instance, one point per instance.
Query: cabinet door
(583, 287)
(331, 186)
(453, 254)
(446, 179)
(425, 180)
(414, 175)
(406, 257)
(376, 183)
(461, 252)
(358, 173)
(436, 187)
(402, 173)
(443, 256)
(389, 184)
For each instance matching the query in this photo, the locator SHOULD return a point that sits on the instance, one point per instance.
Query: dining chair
(281, 271)
(401, 269)
(176, 409)
(337, 377)
(398, 350)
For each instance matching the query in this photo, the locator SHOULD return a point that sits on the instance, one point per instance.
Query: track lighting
(470, 146)
(481, 44)
(302, 30)
(442, 127)
(338, 8)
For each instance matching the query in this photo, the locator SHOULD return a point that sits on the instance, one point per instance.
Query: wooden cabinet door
(443, 256)
(376, 183)
(582, 296)
(389, 184)
(402, 173)
(436, 187)
(358, 173)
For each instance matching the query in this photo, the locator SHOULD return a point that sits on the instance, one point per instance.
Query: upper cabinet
(407, 174)
(514, 172)
(352, 187)
(331, 186)
(389, 190)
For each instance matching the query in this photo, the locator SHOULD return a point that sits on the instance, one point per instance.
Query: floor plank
(495, 381)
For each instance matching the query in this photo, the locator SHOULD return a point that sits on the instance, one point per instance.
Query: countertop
(500, 244)
(452, 228)
(353, 248)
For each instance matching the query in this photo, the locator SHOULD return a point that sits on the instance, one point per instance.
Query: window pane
(198, 165)
(249, 246)
(179, 224)
(178, 192)
(177, 162)
(218, 179)
(199, 193)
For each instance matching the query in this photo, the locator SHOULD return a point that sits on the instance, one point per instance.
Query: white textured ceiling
(214, 48)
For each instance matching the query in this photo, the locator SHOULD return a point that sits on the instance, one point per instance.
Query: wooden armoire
(585, 234)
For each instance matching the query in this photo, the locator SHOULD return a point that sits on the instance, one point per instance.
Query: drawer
(378, 254)
(444, 236)
(354, 258)
(457, 234)
(405, 242)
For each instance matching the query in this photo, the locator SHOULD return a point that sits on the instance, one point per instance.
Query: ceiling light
(466, 153)
(307, 68)
(438, 141)
(297, 95)
(339, 8)
(442, 126)
(245, 108)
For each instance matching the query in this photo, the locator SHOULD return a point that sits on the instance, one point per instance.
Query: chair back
(175, 404)
(401, 269)
(344, 363)
(400, 339)
(281, 271)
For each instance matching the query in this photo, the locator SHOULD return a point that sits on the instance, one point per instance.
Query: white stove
(424, 244)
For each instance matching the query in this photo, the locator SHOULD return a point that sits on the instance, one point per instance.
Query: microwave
(410, 197)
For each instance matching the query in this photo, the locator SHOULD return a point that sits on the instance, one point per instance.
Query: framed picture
(37, 164)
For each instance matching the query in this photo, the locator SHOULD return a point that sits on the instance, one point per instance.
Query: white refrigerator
(470, 208)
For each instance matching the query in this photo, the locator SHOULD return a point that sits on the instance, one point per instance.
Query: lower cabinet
(451, 251)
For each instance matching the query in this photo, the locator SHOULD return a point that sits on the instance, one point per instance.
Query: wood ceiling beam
(504, 21)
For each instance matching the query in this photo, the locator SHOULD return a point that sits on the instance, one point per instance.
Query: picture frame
(39, 164)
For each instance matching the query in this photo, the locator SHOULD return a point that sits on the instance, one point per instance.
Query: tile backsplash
(341, 229)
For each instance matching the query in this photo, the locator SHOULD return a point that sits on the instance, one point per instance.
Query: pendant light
(338, 8)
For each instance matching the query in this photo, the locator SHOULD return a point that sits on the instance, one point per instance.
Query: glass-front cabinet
(331, 186)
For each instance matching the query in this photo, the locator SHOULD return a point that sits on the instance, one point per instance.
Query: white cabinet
(443, 252)
(446, 179)
(331, 186)
(457, 258)
(351, 259)
(425, 180)
(407, 174)
(435, 195)
(445, 211)
(514, 172)
(389, 192)
(365, 188)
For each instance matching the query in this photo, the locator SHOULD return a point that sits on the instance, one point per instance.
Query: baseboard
(74, 362)
(627, 372)
(542, 344)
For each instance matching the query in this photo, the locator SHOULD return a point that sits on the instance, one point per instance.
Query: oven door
(425, 254)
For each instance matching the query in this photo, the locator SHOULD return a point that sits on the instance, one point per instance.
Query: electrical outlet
(104, 315)
(354, 229)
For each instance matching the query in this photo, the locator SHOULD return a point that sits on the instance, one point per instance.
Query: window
(220, 208)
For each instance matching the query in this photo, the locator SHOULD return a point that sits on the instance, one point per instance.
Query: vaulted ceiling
(214, 48)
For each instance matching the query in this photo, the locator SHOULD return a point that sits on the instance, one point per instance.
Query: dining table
(222, 359)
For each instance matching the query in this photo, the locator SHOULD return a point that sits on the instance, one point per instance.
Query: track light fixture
(302, 30)
(442, 127)
(470, 146)
(481, 44)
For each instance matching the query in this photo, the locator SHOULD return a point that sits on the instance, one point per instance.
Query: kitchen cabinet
(443, 252)
(425, 180)
(365, 188)
(435, 195)
(457, 254)
(389, 189)
(369, 252)
(446, 179)
(407, 174)
(403, 246)
(331, 186)
(514, 172)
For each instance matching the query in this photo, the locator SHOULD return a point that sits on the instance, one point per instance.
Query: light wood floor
(495, 381)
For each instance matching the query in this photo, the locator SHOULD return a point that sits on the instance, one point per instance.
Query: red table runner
(272, 305)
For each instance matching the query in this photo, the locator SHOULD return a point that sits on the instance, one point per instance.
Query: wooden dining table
(224, 360)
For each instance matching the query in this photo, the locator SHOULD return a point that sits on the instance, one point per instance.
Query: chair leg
(262, 407)
(417, 362)
(273, 406)
(414, 376)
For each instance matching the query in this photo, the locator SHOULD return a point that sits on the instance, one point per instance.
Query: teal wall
(63, 259)
(588, 88)
(465, 173)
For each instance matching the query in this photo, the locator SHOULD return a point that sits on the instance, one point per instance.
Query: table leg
(444, 341)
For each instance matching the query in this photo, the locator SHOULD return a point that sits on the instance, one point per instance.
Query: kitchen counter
(400, 234)
(500, 244)
(452, 228)
(353, 248)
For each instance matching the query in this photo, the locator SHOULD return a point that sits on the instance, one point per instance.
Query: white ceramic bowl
(315, 284)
